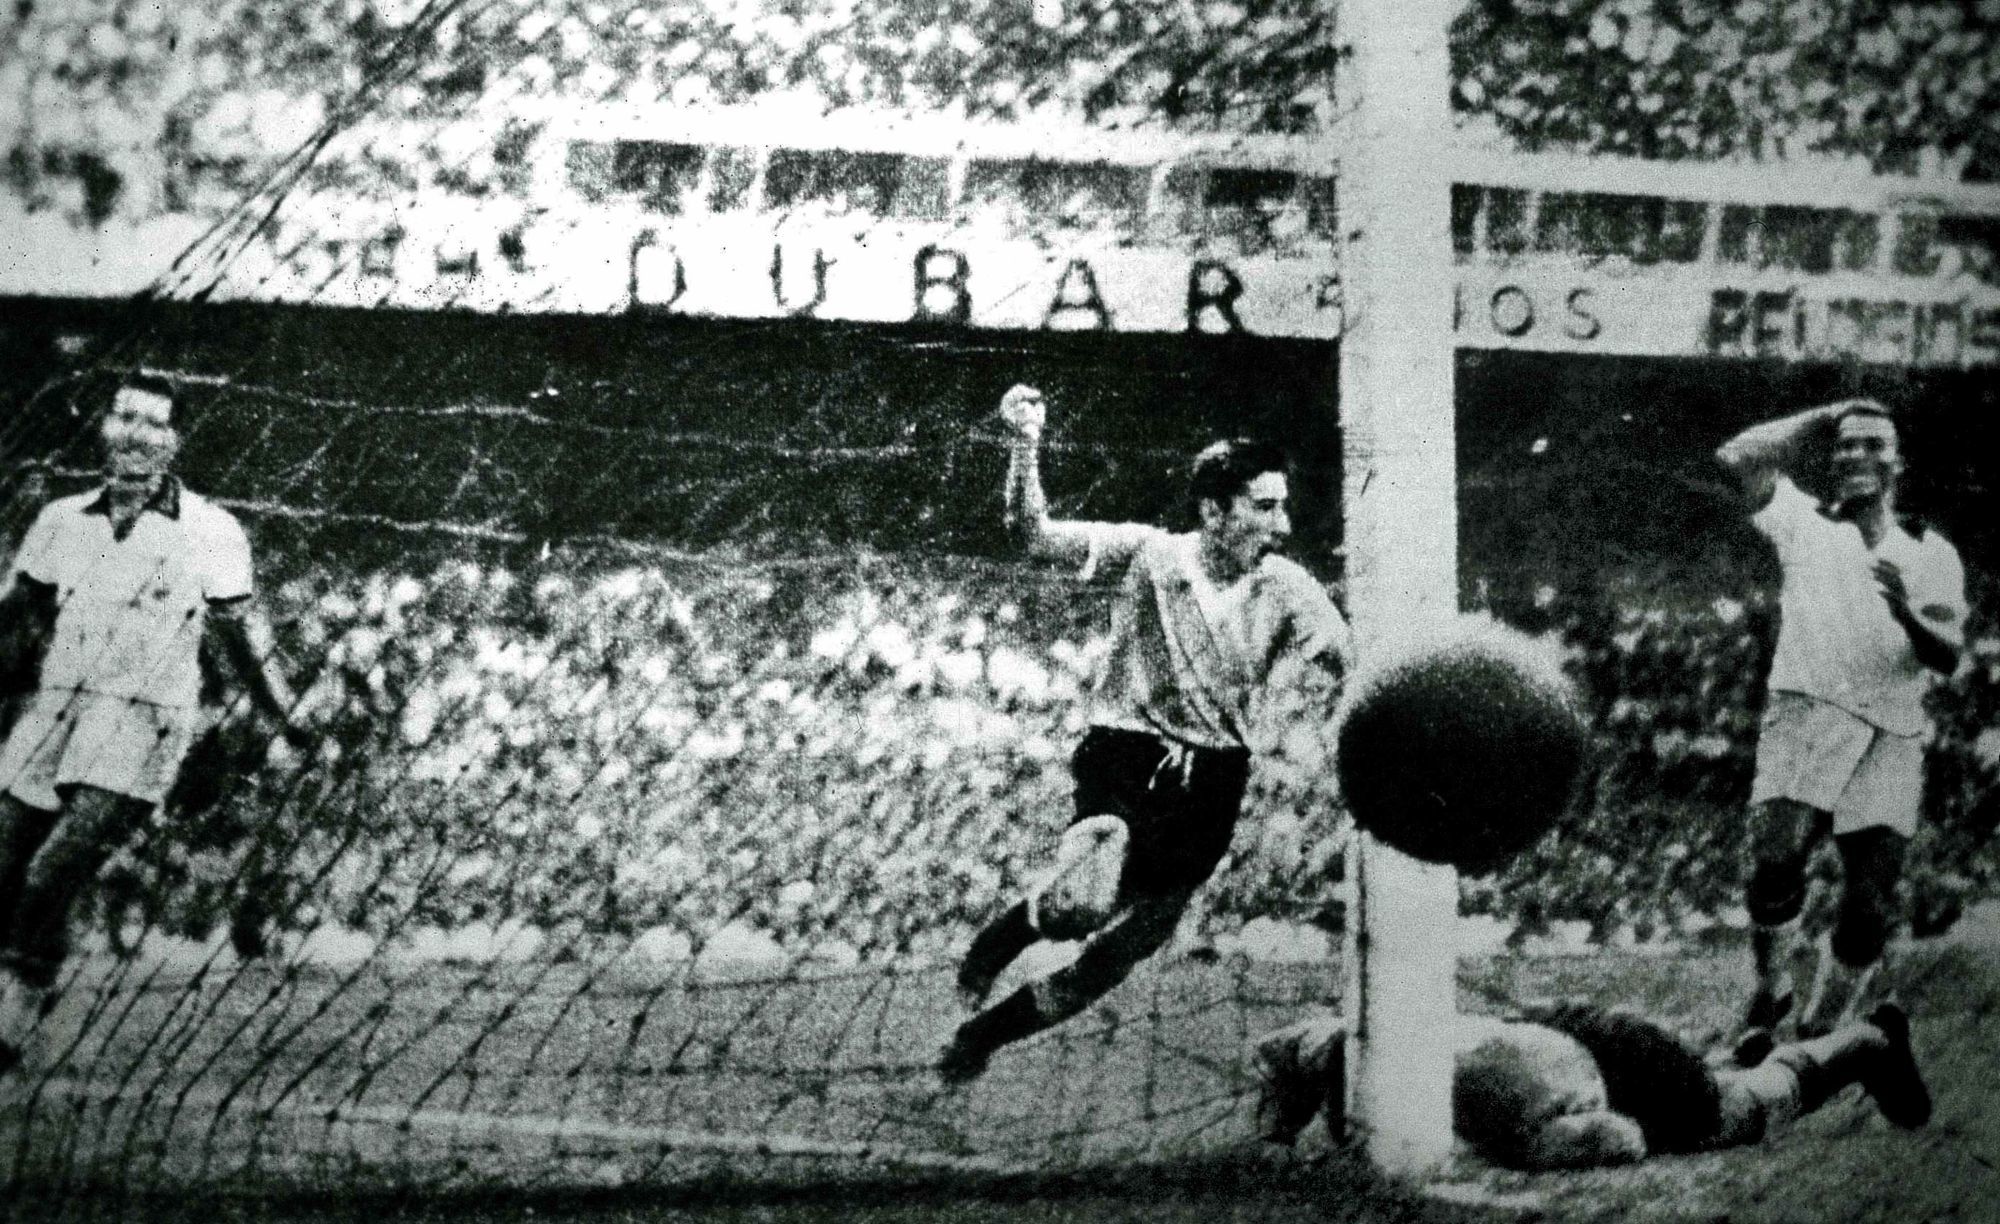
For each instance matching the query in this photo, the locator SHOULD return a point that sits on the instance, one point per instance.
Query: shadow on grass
(1246, 1185)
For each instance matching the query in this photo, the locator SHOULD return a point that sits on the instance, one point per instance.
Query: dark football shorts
(1179, 803)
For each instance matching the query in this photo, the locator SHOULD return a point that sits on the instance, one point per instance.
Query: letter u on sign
(788, 297)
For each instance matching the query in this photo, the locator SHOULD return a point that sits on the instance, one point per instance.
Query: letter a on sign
(1077, 293)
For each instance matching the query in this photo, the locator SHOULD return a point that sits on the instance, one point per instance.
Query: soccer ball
(1464, 750)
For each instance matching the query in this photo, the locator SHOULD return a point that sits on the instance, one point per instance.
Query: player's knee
(1782, 834)
(1785, 829)
(1777, 891)
(1080, 893)
(1871, 861)
(1059, 914)
(1860, 936)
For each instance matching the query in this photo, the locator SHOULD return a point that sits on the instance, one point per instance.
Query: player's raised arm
(1759, 454)
(1028, 521)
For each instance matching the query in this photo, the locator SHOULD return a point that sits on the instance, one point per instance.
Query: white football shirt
(1836, 638)
(131, 611)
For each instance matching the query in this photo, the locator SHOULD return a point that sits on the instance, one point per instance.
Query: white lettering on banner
(657, 264)
(941, 293)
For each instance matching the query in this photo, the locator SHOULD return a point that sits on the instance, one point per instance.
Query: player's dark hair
(1222, 469)
(1865, 407)
(153, 384)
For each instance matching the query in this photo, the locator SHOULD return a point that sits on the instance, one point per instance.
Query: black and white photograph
(1000, 611)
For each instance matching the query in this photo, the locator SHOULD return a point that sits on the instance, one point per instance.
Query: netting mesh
(677, 711)
(560, 789)
(614, 848)
(679, 708)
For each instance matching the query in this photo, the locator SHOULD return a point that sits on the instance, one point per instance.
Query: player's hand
(299, 731)
(1889, 580)
(1025, 412)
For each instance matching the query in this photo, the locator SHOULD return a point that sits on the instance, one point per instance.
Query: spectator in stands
(1870, 612)
(1207, 622)
(1573, 1085)
(115, 590)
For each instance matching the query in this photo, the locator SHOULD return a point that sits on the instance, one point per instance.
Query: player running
(118, 586)
(1869, 614)
(1206, 622)
(1573, 1085)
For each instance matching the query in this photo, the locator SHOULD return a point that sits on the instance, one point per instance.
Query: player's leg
(1871, 872)
(1179, 808)
(1800, 1077)
(1110, 770)
(1877, 812)
(92, 826)
(117, 761)
(29, 811)
(995, 947)
(1783, 834)
(1808, 755)
(1125, 880)
(1076, 896)
(1141, 927)
(23, 829)
(1301, 1073)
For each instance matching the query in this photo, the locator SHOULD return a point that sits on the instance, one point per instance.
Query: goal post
(1396, 414)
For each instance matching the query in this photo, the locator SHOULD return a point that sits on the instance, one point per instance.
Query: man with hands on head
(1871, 613)
(1206, 622)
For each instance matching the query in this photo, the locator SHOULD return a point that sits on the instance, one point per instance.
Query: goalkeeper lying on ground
(1573, 1085)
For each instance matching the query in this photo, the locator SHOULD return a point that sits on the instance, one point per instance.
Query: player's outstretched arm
(1028, 521)
(1760, 453)
(244, 634)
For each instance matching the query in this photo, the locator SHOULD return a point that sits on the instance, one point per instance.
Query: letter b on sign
(941, 292)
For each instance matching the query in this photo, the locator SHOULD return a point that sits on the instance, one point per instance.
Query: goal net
(623, 483)
(623, 850)
(607, 393)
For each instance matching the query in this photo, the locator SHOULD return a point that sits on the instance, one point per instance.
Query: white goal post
(1401, 529)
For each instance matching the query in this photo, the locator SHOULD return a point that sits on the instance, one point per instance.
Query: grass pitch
(1080, 1135)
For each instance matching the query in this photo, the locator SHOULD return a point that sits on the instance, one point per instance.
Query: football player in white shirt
(1206, 622)
(1870, 614)
(119, 586)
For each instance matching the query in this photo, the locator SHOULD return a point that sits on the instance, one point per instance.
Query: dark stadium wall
(782, 438)
(766, 438)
